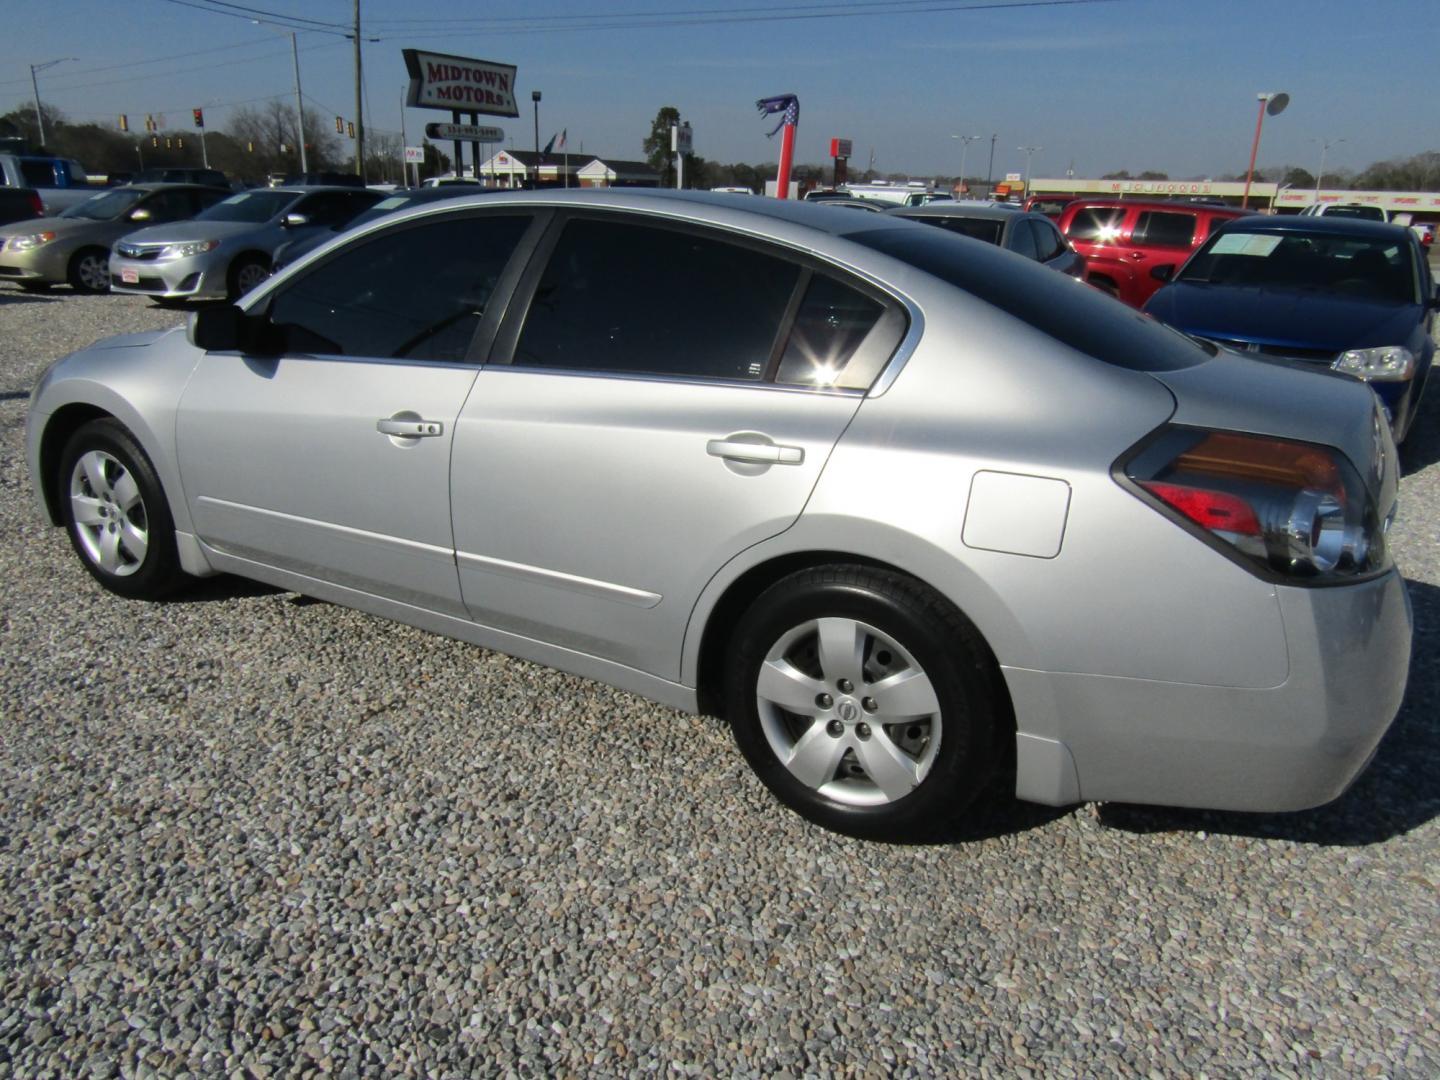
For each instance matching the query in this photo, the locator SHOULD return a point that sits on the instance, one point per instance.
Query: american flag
(788, 104)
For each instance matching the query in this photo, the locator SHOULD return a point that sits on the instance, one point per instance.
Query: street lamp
(965, 141)
(35, 85)
(1029, 152)
(299, 101)
(990, 169)
(535, 97)
(1273, 103)
(1325, 145)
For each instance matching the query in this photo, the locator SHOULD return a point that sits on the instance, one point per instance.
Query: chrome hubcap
(110, 519)
(848, 711)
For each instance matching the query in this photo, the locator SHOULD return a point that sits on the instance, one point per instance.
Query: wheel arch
(62, 424)
(722, 605)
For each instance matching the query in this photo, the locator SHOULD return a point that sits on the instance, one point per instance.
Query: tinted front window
(1048, 240)
(105, 207)
(1162, 229)
(252, 206)
(335, 207)
(976, 228)
(1365, 213)
(622, 297)
(1096, 224)
(416, 293)
(1079, 318)
(1374, 269)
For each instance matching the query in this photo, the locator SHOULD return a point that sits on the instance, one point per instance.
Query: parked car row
(171, 241)
(865, 486)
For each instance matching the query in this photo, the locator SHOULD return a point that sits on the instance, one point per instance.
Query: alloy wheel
(110, 519)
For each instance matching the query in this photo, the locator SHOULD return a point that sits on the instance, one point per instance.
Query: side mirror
(225, 328)
(140, 214)
(294, 221)
(1162, 273)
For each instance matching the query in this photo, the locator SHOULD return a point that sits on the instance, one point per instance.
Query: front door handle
(755, 452)
(410, 429)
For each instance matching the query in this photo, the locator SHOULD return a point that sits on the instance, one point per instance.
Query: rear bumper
(1290, 747)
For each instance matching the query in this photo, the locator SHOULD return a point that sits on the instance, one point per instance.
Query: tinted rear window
(1070, 313)
(975, 228)
(1098, 224)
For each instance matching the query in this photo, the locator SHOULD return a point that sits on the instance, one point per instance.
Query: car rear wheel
(116, 514)
(864, 701)
(245, 274)
(89, 271)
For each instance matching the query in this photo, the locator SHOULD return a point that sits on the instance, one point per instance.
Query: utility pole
(299, 105)
(35, 86)
(404, 166)
(359, 106)
(990, 169)
(1029, 152)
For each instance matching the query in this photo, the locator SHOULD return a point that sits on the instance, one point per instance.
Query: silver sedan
(910, 511)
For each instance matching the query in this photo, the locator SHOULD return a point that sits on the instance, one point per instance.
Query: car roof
(716, 207)
(980, 210)
(1319, 223)
(163, 185)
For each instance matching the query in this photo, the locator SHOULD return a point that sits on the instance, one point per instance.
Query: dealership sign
(459, 83)
(464, 132)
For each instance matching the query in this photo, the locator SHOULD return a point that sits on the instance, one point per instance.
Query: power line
(879, 6)
(715, 16)
(140, 63)
(277, 20)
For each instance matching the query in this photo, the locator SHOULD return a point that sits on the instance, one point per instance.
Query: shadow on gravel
(14, 395)
(1422, 445)
(1399, 792)
(219, 588)
(25, 298)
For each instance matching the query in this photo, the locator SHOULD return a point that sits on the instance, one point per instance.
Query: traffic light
(155, 141)
(168, 144)
(180, 143)
(351, 127)
(150, 123)
(124, 122)
(339, 126)
(199, 115)
(249, 147)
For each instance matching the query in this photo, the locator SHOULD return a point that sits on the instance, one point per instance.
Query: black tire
(89, 271)
(901, 628)
(242, 266)
(124, 514)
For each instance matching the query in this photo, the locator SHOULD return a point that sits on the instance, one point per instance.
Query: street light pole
(965, 141)
(1274, 103)
(359, 109)
(535, 98)
(990, 169)
(35, 86)
(1029, 152)
(1325, 145)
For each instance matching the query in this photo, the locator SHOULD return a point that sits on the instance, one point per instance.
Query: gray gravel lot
(248, 834)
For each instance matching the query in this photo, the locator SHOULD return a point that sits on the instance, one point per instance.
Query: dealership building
(1279, 198)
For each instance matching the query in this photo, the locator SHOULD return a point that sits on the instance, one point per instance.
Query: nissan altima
(911, 512)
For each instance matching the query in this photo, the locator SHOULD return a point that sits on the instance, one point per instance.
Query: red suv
(1123, 240)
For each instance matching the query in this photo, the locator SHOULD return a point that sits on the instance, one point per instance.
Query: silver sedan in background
(74, 247)
(910, 511)
(227, 250)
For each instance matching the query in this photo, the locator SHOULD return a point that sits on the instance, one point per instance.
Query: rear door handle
(757, 453)
(410, 429)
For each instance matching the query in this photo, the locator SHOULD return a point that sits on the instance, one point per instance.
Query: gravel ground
(247, 834)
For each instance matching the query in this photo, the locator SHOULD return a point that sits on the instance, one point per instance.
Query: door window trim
(505, 342)
(500, 299)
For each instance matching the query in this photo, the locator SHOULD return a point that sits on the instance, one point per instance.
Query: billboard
(460, 83)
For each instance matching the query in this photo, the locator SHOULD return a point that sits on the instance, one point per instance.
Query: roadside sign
(1012, 177)
(464, 133)
(840, 148)
(414, 155)
(460, 84)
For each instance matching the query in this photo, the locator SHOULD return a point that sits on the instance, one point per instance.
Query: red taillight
(1209, 509)
(1294, 508)
(36, 204)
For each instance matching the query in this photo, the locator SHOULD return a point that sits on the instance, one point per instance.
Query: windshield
(106, 206)
(975, 228)
(1367, 268)
(252, 206)
(1071, 313)
(1366, 213)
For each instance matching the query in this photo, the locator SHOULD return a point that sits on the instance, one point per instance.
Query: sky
(1097, 85)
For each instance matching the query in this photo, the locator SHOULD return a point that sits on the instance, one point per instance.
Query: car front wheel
(864, 701)
(116, 514)
(89, 271)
